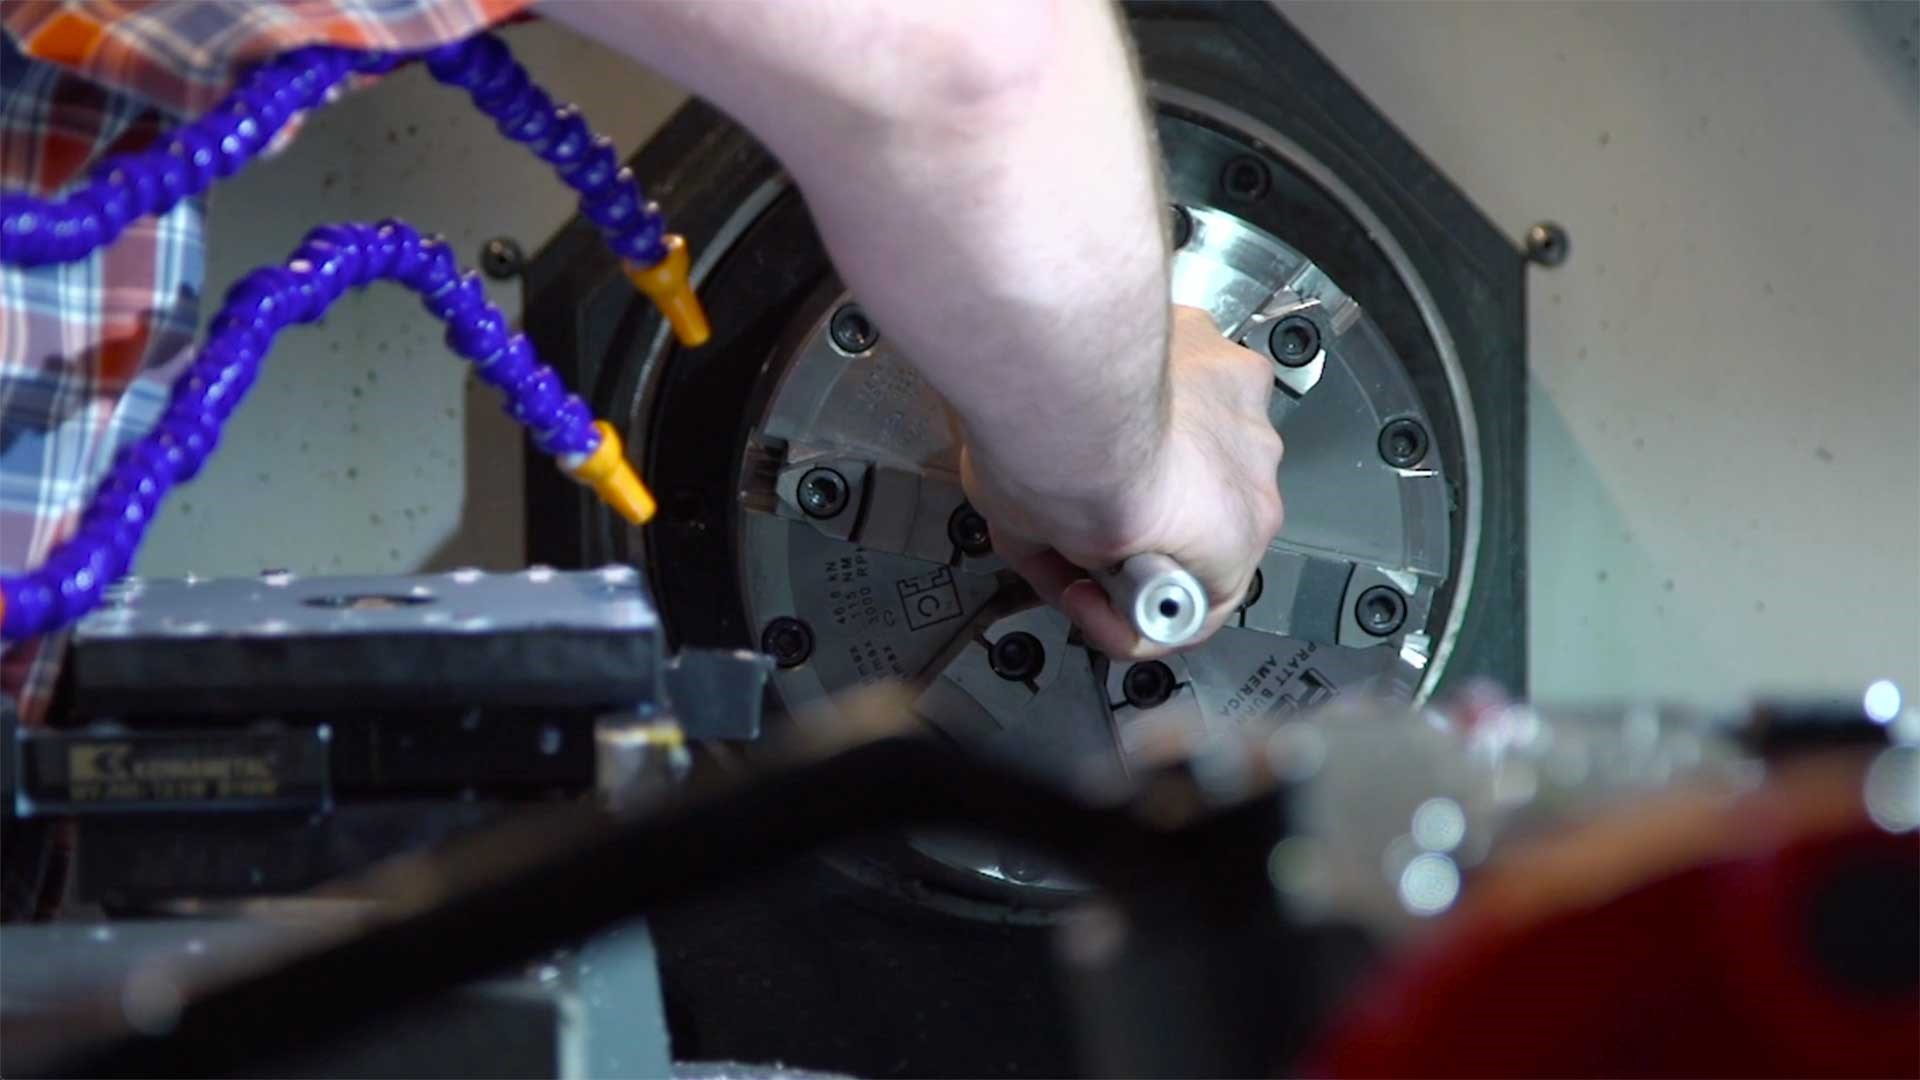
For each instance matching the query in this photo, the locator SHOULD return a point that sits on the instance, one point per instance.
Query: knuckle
(1259, 398)
(1263, 449)
(1269, 513)
(1271, 445)
(1255, 371)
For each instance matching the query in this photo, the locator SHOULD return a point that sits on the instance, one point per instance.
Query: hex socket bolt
(1165, 603)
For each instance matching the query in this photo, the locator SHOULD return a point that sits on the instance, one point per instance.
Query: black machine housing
(259, 737)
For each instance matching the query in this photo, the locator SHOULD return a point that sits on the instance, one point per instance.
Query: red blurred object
(1769, 935)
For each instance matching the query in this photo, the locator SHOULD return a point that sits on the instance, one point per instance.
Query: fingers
(1224, 611)
(1197, 340)
(1211, 500)
(1067, 587)
(1110, 632)
(1248, 376)
(1104, 629)
(1046, 570)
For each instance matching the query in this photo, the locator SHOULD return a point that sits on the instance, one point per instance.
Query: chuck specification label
(120, 771)
(1277, 690)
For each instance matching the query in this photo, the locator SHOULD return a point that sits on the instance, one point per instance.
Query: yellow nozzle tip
(625, 495)
(666, 284)
(688, 318)
(613, 479)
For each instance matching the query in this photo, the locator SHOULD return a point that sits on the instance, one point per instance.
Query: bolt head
(1246, 179)
(1381, 610)
(501, 258)
(1547, 244)
(851, 331)
(1017, 657)
(969, 532)
(1147, 685)
(1294, 341)
(822, 493)
(1403, 442)
(788, 641)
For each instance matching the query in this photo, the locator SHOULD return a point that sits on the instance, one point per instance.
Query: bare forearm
(1033, 295)
(982, 178)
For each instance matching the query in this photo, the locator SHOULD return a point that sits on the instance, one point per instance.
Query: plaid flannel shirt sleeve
(88, 349)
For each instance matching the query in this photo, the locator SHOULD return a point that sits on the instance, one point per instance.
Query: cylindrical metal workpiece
(1165, 603)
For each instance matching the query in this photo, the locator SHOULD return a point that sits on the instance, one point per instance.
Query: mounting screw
(822, 493)
(1017, 657)
(1381, 610)
(1403, 442)
(852, 332)
(968, 531)
(1294, 341)
(501, 258)
(1547, 244)
(1246, 179)
(1179, 225)
(788, 640)
(1254, 588)
(1147, 685)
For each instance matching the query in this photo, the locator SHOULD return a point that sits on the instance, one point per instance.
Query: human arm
(983, 180)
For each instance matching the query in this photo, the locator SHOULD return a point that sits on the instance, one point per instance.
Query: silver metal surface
(1436, 327)
(872, 420)
(1164, 603)
(281, 604)
(888, 507)
(889, 595)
